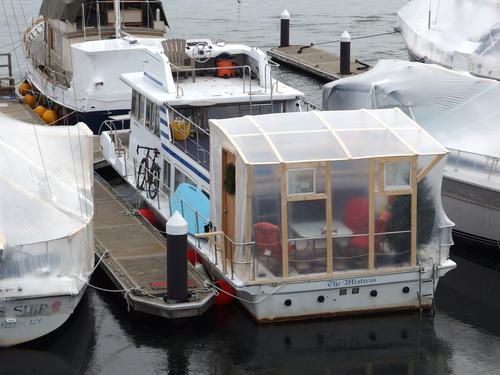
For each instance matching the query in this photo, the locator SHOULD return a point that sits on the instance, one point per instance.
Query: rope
(217, 290)
(355, 38)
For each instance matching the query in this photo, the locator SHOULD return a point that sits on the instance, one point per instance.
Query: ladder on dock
(7, 82)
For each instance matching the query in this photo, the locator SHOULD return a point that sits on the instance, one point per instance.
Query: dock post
(177, 229)
(285, 29)
(345, 53)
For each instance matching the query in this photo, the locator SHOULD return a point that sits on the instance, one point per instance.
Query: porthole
(321, 299)
(288, 302)
(373, 293)
(406, 290)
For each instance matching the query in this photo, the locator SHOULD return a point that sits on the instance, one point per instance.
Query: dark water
(103, 338)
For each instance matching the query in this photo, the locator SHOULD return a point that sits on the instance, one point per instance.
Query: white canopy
(461, 111)
(318, 136)
(45, 181)
(463, 34)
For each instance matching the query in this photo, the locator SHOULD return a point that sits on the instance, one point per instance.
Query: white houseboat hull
(23, 320)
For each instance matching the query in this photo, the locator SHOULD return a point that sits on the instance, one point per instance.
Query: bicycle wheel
(154, 181)
(141, 174)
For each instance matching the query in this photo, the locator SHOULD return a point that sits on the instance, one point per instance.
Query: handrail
(308, 104)
(489, 159)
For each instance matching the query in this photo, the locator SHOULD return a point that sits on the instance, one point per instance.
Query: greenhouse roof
(328, 135)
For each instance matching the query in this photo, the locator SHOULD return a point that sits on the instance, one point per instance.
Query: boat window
(301, 181)
(397, 176)
(156, 120)
(166, 176)
(134, 106)
(148, 118)
(140, 105)
(180, 178)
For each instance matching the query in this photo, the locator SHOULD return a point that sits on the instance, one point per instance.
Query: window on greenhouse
(397, 176)
(301, 181)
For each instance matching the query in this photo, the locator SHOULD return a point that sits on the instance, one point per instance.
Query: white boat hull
(23, 320)
(318, 298)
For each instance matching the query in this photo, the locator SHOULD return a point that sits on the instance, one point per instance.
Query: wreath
(230, 179)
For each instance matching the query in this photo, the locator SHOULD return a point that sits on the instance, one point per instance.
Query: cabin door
(228, 197)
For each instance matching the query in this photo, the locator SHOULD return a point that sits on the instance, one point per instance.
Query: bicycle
(148, 174)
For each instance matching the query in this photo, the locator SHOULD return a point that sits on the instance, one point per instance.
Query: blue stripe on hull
(186, 164)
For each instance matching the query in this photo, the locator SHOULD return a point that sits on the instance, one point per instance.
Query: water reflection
(66, 351)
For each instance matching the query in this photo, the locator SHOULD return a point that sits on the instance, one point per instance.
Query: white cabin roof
(329, 135)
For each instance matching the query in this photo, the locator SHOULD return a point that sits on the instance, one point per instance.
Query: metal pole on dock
(177, 229)
(285, 29)
(345, 53)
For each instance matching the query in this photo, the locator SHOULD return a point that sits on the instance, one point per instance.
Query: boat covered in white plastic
(46, 233)
(462, 35)
(458, 109)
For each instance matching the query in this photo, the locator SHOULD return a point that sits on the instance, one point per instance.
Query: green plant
(401, 219)
(230, 179)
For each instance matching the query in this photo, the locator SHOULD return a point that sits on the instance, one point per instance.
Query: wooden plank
(414, 228)
(314, 61)
(424, 172)
(393, 192)
(329, 218)
(248, 216)
(371, 218)
(284, 220)
(306, 197)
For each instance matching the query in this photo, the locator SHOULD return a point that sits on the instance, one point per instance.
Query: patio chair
(175, 49)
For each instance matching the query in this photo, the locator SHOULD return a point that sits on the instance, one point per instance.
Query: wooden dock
(314, 61)
(19, 111)
(135, 259)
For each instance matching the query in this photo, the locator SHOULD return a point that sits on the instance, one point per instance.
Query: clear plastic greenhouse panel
(47, 206)
(322, 192)
(463, 35)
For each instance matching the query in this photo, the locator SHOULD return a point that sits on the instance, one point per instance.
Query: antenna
(118, 20)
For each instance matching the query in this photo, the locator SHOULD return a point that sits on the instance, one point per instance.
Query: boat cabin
(305, 194)
(172, 104)
(62, 23)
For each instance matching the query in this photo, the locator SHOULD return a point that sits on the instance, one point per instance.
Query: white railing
(467, 162)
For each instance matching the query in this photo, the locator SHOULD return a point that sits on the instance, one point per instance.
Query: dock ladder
(7, 82)
(432, 311)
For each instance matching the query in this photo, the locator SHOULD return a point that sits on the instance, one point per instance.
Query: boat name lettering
(23, 323)
(351, 282)
(33, 309)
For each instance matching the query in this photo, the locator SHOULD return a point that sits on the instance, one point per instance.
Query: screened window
(149, 115)
(166, 176)
(301, 181)
(140, 106)
(397, 176)
(134, 106)
(181, 178)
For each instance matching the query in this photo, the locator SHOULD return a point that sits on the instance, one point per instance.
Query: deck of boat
(136, 258)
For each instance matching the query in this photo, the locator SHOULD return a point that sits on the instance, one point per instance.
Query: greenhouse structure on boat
(322, 213)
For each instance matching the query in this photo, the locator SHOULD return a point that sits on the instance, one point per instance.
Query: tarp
(460, 110)
(45, 181)
(463, 35)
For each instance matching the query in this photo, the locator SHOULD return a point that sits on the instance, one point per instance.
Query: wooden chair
(175, 49)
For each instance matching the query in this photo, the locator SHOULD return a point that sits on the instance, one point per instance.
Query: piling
(345, 53)
(177, 278)
(285, 29)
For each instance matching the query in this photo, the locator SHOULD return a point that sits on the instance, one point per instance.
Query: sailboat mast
(118, 20)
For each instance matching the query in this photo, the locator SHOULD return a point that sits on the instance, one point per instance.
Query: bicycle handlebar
(147, 148)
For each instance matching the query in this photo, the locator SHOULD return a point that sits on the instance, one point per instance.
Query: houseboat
(76, 50)
(46, 232)
(304, 214)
